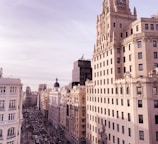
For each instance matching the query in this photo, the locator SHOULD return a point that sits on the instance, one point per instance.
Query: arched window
(11, 131)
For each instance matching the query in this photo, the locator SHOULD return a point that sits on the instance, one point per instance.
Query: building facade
(81, 72)
(123, 94)
(77, 110)
(10, 110)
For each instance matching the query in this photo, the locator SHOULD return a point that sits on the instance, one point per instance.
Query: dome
(56, 84)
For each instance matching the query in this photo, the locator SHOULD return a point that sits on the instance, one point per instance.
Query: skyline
(40, 40)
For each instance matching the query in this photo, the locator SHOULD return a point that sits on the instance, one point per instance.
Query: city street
(34, 129)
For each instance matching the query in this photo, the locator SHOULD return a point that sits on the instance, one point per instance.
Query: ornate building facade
(123, 94)
(10, 110)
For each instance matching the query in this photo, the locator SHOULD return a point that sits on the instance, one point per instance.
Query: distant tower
(56, 84)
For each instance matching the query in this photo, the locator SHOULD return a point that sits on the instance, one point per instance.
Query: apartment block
(10, 110)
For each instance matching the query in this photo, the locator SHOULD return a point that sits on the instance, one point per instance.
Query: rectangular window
(155, 103)
(129, 117)
(140, 67)
(1, 117)
(123, 129)
(152, 26)
(140, 56)
(141, 135)
(130, 57)
(118, 127)
(140, 103)
(2, 90)
(146, 26)
(154, 43)
(128, 102)
(122, 115)
(137, 28)
(118, 60)
(2, 104)
(156, 26)
(129, 131)
(155, 55)
(154, 90)
(11, 116)
(157, 136)
(118, 70)
(156, 119)
(139, 90)
(139, 44)
(130, 68)
(140, 118)
(118, 50)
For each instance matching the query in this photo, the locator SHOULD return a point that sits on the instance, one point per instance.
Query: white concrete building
(10, 110)
(123, 95)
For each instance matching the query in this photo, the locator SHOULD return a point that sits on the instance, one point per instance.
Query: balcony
(11, 136)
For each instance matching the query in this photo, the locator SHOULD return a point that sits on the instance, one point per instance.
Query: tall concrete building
(123, 95)
(10, 110)
(81, 72)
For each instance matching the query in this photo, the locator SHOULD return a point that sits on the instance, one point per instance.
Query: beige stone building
(77, 110)
(44, 102)
(10, 110)
(123, 95)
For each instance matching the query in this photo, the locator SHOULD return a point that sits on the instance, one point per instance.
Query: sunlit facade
(10, 110)
(123, 94)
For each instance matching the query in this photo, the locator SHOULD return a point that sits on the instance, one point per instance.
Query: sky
(40, 39)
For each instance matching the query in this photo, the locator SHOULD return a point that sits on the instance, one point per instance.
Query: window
(156, 119)
(118, 50)
(13, 90)
(114, 24)
(127, 90)
(130, 57)
(155, 103)
(128, 102)
(1, 117)
(118, 60)
(152, 26)
(140, 55)
(154, 43)
(140, 66)
(1, 133)
(141, 135)
(2, 90)
(157, 136)
(126, 34)
(118, 127)
(129, 117)
(155, 65)
(2, 104)
(123, 129)
(140, 118)
(11, 131)
(154, 90)
(11, 116)
(139, 90)
(155, 55)
(118, 70)
(146, 26)
(122, 115)
(129, 131)
(130, 68)
(139, 44)
(140, 103)
(137, 28)
(12, 104)
(156, 26)
(131, 31)
(117, 113)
